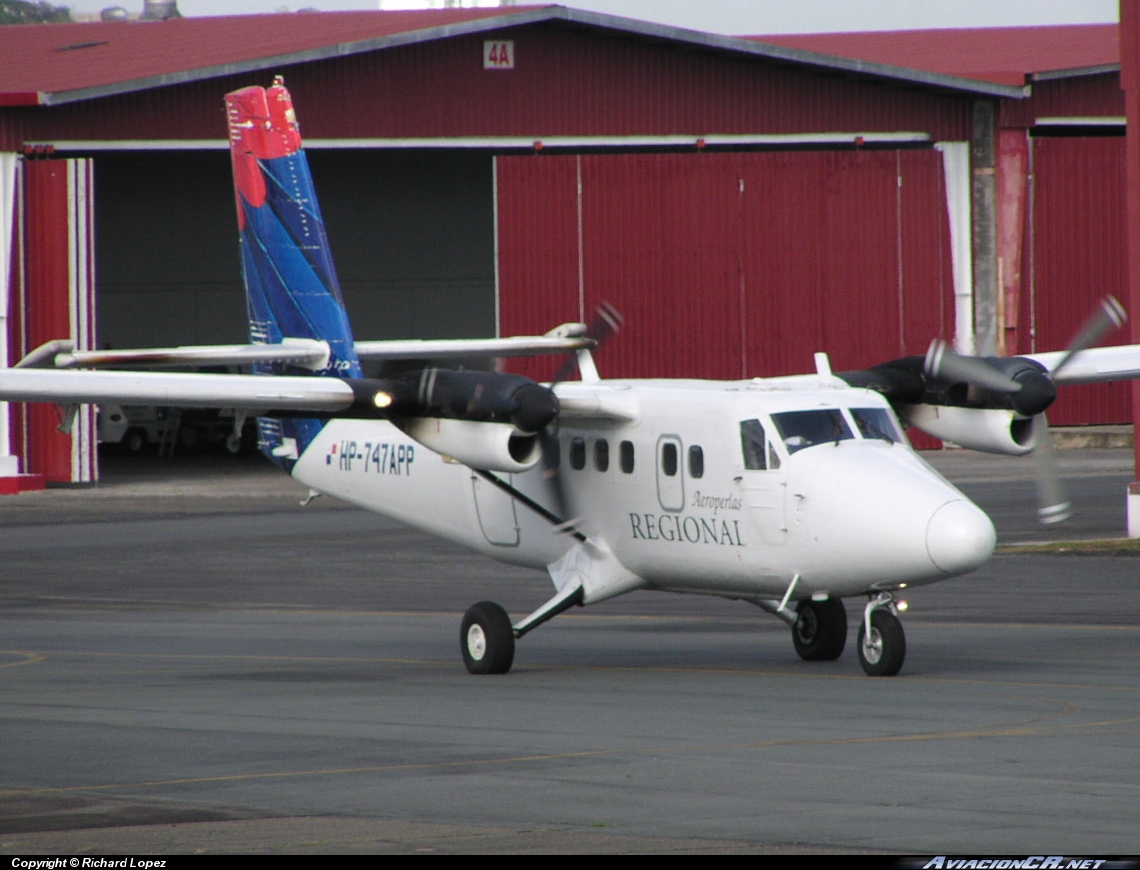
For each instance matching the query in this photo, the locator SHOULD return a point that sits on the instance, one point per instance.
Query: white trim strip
(529, 143)
(81, 289)
(1107, 121)
(8, 184)
(956, 170)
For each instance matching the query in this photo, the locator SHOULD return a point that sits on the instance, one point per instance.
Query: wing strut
(561, 524)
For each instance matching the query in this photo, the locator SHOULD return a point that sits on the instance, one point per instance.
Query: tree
(25, 12)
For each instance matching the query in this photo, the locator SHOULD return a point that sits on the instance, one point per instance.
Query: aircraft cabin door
(763, 483)
(670, 479)
(496, 512)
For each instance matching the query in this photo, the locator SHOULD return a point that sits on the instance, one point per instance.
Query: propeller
(1030, 390)
(607, 322)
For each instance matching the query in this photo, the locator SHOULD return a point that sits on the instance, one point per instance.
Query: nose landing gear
(882, 643)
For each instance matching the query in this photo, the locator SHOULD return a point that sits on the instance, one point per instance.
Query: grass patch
(1102, 547)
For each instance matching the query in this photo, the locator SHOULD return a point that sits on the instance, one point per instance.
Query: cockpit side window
(876, 423)
(752, 442)
(800, 429)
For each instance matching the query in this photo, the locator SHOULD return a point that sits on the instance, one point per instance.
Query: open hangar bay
(201, 665)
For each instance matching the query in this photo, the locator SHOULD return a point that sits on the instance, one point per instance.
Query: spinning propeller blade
(942, 363)
(607, 322)
(1053, 505)
(1110, 314)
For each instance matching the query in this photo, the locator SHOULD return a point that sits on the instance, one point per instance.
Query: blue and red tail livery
(291, 284)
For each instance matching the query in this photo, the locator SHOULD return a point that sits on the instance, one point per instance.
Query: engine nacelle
(488, 446)
(991, 430)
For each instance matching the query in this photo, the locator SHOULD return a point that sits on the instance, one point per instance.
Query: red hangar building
(743, 201)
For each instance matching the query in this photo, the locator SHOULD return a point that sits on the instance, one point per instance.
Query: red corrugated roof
(1003, 55)
(55, 58)
(58, 63)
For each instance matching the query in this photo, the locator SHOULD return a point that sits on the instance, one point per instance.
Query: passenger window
(602, 454)
(577, 453)
(696, 461)
(669, 459)
(752, 443)
(626, 457)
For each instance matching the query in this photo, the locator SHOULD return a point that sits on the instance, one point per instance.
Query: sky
(732, 16)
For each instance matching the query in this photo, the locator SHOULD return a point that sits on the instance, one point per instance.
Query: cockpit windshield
(800, 429)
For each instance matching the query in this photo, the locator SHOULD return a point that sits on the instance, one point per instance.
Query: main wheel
(487, 639)
(820, 633)
(882, 652)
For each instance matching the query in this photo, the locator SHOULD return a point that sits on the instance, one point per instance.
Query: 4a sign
(499, 54)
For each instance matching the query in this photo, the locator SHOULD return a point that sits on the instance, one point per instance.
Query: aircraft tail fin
(292, 291)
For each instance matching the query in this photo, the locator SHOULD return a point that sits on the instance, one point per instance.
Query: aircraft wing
(250, 392)
(1095, 365)
(309, 353)
(518, 345)
(301, 352)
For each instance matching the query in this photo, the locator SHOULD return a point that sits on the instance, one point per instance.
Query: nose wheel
(882, 642)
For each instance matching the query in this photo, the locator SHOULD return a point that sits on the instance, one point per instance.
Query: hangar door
(1076, 252)
(729, 265)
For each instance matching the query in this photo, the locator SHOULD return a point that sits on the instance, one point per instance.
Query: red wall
(46, 281)
(52, 300)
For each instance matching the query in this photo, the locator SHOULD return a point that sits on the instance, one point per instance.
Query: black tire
(233, 444)
(487, 639)
(820, 632)
(883, 655)
(134, 442)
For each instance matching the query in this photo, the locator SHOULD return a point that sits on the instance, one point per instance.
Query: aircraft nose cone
(959, 537)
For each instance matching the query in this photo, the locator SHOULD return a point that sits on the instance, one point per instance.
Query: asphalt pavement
(191, 662)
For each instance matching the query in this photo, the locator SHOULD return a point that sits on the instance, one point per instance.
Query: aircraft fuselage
(722, 488)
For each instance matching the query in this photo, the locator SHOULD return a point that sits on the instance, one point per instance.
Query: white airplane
(789, 493)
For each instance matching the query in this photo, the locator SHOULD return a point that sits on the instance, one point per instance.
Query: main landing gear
(487, 639)
(820, 630)
(882, 643)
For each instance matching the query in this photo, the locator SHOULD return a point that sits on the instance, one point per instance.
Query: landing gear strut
(882, 643)
(820, 631)
(487, 639)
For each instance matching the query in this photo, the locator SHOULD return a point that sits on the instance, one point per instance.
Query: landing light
(901, 605)
(382, 399)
